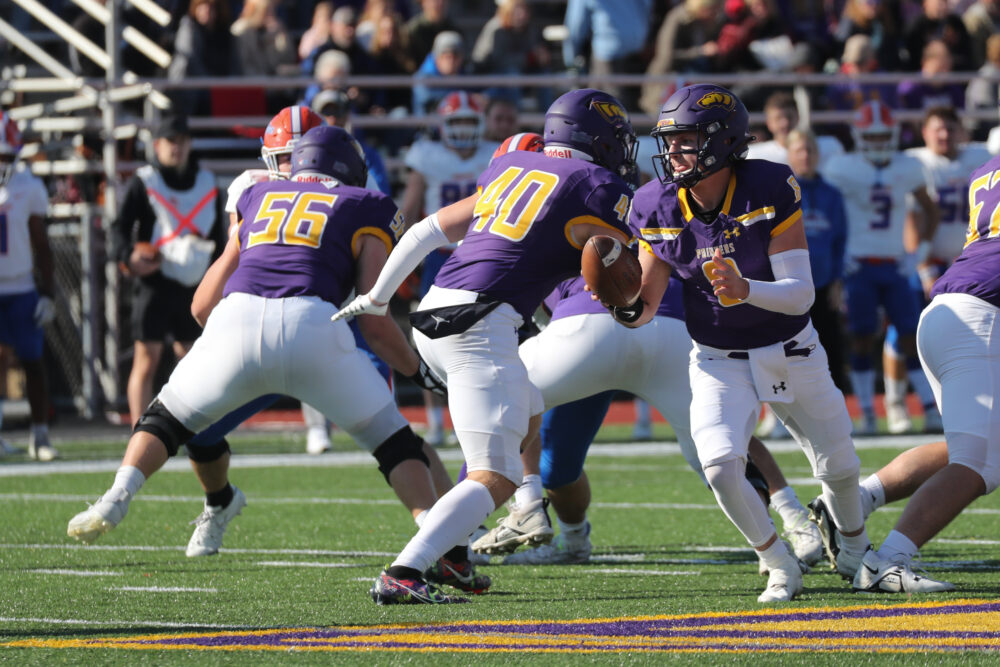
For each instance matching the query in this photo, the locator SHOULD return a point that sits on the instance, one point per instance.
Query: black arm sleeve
(220, 230)
(134, 222)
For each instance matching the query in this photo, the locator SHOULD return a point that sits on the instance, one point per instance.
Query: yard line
(139, 624)
(622, 570)
(991, 543)
(265, 552)
(76, 573)
(261, 500)
(163, 589)
(295, 563)
(655, 506)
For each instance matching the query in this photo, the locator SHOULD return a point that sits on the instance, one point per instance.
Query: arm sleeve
(792, 291)
(416, 243)
(134, 210)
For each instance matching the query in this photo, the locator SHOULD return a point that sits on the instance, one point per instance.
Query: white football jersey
(951, 194)
(241, 183)
(449, 178)
(22, 197)
(875, 201)
(774, 152)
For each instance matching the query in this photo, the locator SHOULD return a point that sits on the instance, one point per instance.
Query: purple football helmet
(331, 151)
(722, 125)
(592, 123)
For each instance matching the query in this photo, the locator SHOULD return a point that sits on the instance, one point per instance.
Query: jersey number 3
(300, 223)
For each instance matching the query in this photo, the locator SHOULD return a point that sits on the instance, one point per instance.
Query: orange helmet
(10, 144)
(461, 120)
(286, 128)
(522, 141)
(876, 134)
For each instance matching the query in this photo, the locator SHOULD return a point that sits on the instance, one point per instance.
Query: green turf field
(304, 552)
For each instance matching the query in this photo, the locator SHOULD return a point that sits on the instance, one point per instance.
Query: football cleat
(559, 552)
(820, 515)
(100, 517)
(317, 441)
(475, 557)
(524, 525)
(390, 590)
(210, 526)
(897, 418)
(880, 575)
(848, 562)
(41, 449)
(458, 575)
(932, 421)
(763, 570)
(805, 538)
(783, 583)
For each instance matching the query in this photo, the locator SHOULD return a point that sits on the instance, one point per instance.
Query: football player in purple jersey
(304, 244)
(960, 351)
(522, 234)
(731, 230)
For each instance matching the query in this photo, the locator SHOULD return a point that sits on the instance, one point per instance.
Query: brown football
(612, 272)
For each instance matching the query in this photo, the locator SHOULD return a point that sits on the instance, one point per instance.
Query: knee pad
(158, 421)
(402, 445)
(838, 462)
(725, 472)
(208, 453)
(757, 481)
(972, 451)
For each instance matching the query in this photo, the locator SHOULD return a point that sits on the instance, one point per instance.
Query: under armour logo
(779, 387)
(731, 233)
(438, 321)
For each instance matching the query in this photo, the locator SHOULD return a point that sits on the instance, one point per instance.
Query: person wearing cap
(335, 107)
(447, 58)
(169, 226)
(343, 37)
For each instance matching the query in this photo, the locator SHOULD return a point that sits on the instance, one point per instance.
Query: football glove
(426, 379)
(362, 305)
(628, 314)
(45, 311)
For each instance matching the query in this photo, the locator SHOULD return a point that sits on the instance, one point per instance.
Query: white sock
(420, 518)
(863, 383)
(872, 494)
(129, 479)
(529, 491)
(843, 498)
(921, 386)
(898, 548)
(775, 556)
(787, 505)
(895, 391)
(451, 521)
(574, 532)
(313, 418)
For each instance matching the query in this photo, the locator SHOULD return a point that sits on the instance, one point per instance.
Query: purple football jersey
(977, 269)
(761, 202)
(301, 238)
(519, 244)
(572, 299)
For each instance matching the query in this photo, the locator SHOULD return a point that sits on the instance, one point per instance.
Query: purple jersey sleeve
(761, 202)
(977, 269)
(303, 238)
(520, 243)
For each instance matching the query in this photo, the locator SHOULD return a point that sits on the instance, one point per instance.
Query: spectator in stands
(810, 24)
(203, 47)
(423, 28)
(343, 25)
(262, 41)
(170, 225)
(877, 20)
(926, 92)
(319, 31)
(613, 32)
(332, 69)
(500, 119)
(750, 22)
(391, 56)
(447, 58)
(781, 115)
(982, 21)
(509, 43)
(826, 232)
(335, 107)
(983, 91)
(859, 58)
(368, 21)
(686, 43)
(938, 22)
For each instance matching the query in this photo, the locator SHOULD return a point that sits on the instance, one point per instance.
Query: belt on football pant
(790, 351)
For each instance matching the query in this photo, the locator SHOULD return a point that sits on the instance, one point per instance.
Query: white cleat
(559, 552)
(783, 583)
(210, 526)
(41, 450)
(880, 575)
(475, 557)
(897, 418)
(805, 538)
(848, 562)
(100, 517)
(524, 525)
(318, 442)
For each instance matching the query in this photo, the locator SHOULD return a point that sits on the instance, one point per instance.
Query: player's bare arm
(209, 292)
(927, 225)
(413, 198)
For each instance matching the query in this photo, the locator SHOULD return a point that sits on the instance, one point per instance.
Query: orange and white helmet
(461, 120)
(10, 145)
(286, 128)
(522, 141)
(876, 134)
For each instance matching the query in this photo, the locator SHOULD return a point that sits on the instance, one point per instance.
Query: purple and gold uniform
(520, 246)
(957, 336)
(761, 202)
(271, 333)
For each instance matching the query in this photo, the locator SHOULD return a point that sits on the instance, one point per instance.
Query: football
(611, 271)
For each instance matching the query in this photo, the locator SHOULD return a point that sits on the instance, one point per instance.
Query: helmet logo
(663, 122)
(610, 111)
(716, 99)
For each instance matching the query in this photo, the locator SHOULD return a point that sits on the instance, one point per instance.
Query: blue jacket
(826, 229)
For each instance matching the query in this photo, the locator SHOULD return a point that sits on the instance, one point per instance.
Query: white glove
(361, 305)
(45, 311)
